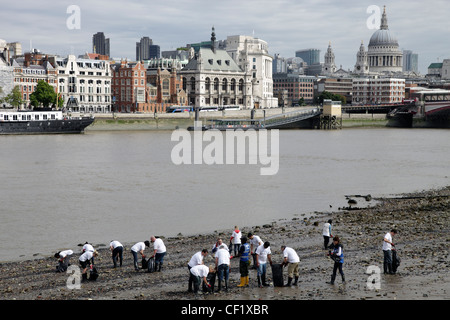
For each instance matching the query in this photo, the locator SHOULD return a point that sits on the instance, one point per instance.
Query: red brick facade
(136, 90)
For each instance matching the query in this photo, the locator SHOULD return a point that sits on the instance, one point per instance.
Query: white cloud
(287, 25)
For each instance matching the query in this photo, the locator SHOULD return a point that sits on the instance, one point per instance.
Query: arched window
(184, 84)
(192, 83)
(216, 84)
(233, 85)
(224, 85)
(207, 84)
(241, 85)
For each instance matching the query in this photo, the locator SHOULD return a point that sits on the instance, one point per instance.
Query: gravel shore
(422, 220)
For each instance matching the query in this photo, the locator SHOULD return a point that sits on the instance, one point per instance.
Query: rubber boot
(159, 266)
(389, 265)
(332, 280)
(343, 279)
(385, 268)
(246, 281)
(259, 282)
(226, 285)
(136, 266)
(289, 282)
(219, 285)
(264, 283)
(83, 277)
(295, 281)
(242, 282)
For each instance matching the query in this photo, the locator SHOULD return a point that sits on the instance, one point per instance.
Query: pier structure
(331, 117)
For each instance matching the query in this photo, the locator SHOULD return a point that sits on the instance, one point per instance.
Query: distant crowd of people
(249, 249)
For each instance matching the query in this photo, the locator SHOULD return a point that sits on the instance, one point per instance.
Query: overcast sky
(287, 25)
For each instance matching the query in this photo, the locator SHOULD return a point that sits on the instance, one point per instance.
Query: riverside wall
(172, 121)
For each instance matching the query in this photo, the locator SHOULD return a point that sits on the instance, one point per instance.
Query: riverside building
(84, 84)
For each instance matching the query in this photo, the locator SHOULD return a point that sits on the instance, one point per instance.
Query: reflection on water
(61, 190)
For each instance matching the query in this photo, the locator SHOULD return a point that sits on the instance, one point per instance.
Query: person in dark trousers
(117, 252)
(244, 261)
(326, 232)
(337, 254)
(196, 260)
(159, 251)
(223, 265)
(387, 251)
(138, 248)
(199, 273)
(63, 260)
(87, 258)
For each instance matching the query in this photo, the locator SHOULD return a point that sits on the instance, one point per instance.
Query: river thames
(61, 190)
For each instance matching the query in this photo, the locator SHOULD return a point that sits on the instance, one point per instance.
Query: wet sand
(422, 220)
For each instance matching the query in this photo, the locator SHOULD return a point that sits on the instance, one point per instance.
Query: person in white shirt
(199, 273)
(159, 251)
(63, 260)
(87, 247)
(117, 252)
(387, 251)
(291, 259)
(255, 242)
(235, 240)
(196, 260)
(216, 246)
(326, 232)
(223, 265)
(87, 258)
(263, 254)
(139, 248)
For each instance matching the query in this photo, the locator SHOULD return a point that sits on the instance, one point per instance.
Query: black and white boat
(41, 122)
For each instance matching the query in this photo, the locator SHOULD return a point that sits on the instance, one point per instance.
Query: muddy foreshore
(422, 220)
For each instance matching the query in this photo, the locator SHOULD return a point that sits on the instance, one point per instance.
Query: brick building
(296, 87)
(137, 89)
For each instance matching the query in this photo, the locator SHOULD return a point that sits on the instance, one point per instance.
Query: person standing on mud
(235, 240)
(159, 251)
(117, 252)
(337, 254)
(263, 254)
(255, 242)
(223, 265)
(326, 232)
(139, 247)
(196, 260)
(387, 251)
(244, 261)
(291, 259)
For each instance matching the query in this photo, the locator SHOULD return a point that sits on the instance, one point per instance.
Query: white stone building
(85, 84)
(384, 55)
(213, 79)
(252, 55)
(329, 66)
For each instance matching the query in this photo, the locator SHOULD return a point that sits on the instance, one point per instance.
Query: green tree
(43, 95)
(325, 95)
(14, 98)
